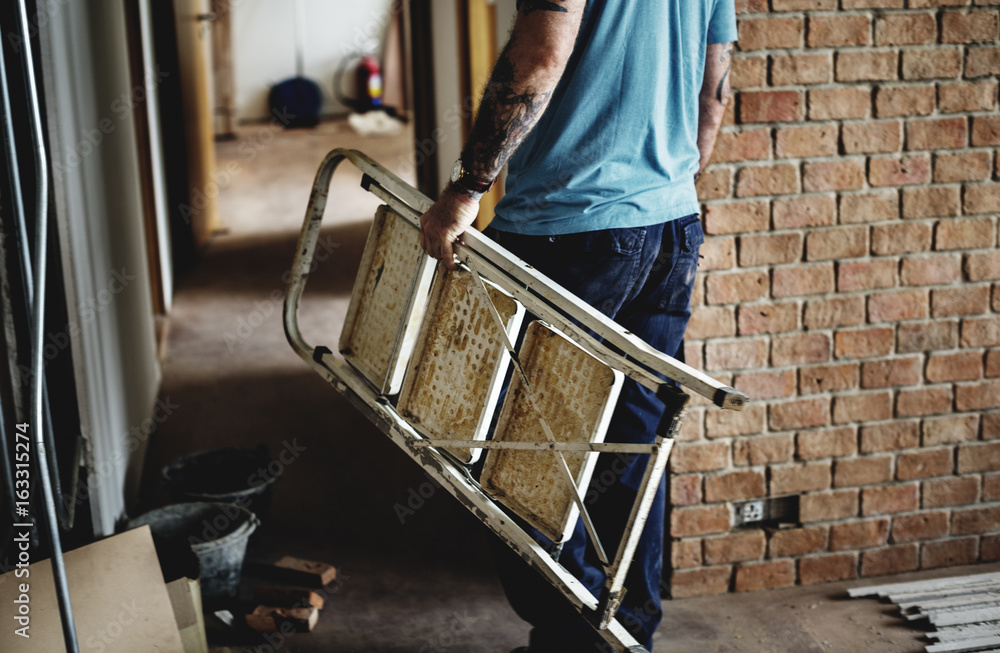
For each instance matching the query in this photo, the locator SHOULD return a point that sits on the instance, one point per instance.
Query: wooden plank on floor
(966, 646)
(934, 583)
(964, 617)
(966, 631)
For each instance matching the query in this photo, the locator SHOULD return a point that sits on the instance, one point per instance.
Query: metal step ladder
(425, 356)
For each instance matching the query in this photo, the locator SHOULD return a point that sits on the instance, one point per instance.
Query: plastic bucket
(237, 475)
(216, 532)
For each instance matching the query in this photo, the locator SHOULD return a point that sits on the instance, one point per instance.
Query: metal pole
(38, 319)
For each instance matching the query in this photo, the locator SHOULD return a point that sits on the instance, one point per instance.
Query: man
(607, 111)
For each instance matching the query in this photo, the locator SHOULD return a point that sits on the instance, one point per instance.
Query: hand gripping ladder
(425, 356)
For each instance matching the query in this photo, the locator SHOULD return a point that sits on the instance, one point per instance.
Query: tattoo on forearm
(506, 116)
(722, 90)
(531, 5)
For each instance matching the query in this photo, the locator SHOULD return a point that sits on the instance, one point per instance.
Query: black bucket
(237, 475)
(216, 532)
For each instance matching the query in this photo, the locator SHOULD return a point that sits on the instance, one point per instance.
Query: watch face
(456, 171)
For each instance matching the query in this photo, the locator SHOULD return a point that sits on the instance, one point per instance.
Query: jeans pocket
(684, 264)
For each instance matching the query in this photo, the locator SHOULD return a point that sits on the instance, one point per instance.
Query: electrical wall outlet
(752, 511)
(772, 511)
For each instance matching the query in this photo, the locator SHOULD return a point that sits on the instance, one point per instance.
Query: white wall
(264, 45)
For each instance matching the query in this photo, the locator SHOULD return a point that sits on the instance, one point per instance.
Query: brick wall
(849, 285)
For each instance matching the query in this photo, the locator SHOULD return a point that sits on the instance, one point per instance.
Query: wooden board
(455, 376)
(387, 303)
(576, 393)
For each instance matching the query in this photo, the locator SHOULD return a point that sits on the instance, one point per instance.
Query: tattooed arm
(526, 74)
(713, 99)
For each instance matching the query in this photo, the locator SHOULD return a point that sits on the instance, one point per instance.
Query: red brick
(993, 363)
(876, 206)
(838, 30)
(802, 280)
(931, 270)
(966, 166)
(967, 96)
(900, 238)
(982, 61)
(890, 560)
(699, 456)
(971, 27)
(751, 6)
(839, 103)
(805, 141)
(950, 429)
(803, 5)
(982, 198)
(991, 487)
(827, 443)
(865, 407)
(805, 211)
(985, 131)
(696, 582)
(936, 134)
(771, 106)
(949, 553)
(794, 542)
(955, 491)
(960, 300)
(734, 486)
(863, 343)
(880, 136)
(736, 217)
(962, 366)
(727, 423)
(927, 336)
(770, 33)
(890, 499)
(749, 72)
(714, 184)
(837, 243)
(990, 548)
(699, 520)
(685, 490)
(828, 378)
(781, 179)
(979, 457)
(768, 318)
(763, 449)
(685, 554)
(717, 254)
(736, 547)
(734, 355)
(932, 202)
(828, 568)
(859, 534)
(736, 287)
(922, 464)
(919, 526)
(827, 506)
(764, 575)
(867, 275)
(800, 349)
(796, 478)
(745, 145)
(923, 401)
(789, 69)
(963, 234)
(899, 171)
(975, 521)
(835, 312)
(890, 436)
(844, 174)
(906, 29)
(978, 396)
(898, 305)
(891, 372)
(904, 101)
(770, 249)
(804, 413)
(928, 64)
(765, 385)
(867, 65)
(866, 470)
(981, 332)
(711, 322)
(983, 266)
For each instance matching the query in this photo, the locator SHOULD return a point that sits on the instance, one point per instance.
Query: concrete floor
(424, 583)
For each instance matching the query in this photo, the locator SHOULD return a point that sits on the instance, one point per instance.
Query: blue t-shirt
(617, 146)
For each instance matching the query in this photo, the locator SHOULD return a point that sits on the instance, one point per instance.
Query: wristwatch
(462, 177)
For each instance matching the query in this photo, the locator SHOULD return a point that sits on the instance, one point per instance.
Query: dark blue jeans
(642, 278)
